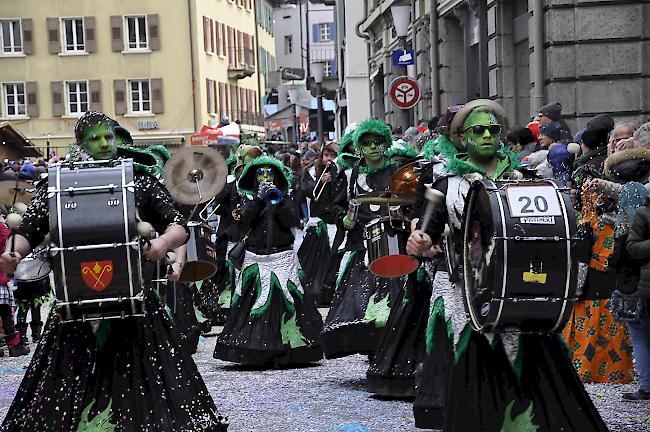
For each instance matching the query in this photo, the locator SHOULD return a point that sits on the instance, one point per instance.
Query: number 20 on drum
(536, 202)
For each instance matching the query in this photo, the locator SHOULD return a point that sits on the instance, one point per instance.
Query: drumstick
(433, 197)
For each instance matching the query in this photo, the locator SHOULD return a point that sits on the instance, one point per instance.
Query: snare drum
(95, 248)
(201, 260)
(385, 239)
(33, 268)
(518, 262)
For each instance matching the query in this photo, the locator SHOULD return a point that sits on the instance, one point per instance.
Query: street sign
(293, 74)
(404, 92)
(403, 57)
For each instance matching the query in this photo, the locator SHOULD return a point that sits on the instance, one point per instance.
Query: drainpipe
(194, 89)
(365, 37)
(538, 54)
(435, 58)
(257, 59)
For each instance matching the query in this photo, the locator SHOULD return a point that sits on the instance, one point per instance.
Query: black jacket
(324, 207)
(638, 246)
(268, 227)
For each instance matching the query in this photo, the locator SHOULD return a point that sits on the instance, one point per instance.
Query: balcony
(241, 63)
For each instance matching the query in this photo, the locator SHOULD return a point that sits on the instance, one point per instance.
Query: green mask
(99, 141)
(265, 174)
(372, 147)
(480, 133)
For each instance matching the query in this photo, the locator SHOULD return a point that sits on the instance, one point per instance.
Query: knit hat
(601, 121)
(578, 137)
(534, 128)
(552, 130)
(552, 111)
(309, 154)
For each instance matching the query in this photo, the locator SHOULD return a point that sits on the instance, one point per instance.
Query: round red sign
(404, 92)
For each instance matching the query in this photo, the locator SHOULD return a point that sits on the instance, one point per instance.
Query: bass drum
(518, 263)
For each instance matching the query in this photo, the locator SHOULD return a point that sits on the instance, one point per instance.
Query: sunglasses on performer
(480, 129)
(265, 171)
(372, 143)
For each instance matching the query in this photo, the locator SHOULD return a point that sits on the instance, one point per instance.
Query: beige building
(161, 68)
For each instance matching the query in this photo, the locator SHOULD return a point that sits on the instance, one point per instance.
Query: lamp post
(318, 70)
(293, 98)
(401, 20)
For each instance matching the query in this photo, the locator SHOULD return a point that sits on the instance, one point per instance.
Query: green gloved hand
(347, 223)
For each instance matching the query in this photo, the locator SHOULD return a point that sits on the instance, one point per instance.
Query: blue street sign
(403, 57)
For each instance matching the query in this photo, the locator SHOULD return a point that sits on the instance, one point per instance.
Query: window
(10, 37)
(76, 97)
(288, 44)
(15, 105)
(136, 37)
(73, 34)
(324, 32)
(328, 68)
(139, 97)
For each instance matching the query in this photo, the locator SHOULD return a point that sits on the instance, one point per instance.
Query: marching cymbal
(385, 198)
(191, 165)
(10, 185)
(405, 179)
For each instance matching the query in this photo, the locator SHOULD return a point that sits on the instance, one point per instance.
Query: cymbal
(194, 165)
(10, 185)
(405, 179)
(385, 198)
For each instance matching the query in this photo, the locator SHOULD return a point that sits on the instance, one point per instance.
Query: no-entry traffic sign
(404, 92)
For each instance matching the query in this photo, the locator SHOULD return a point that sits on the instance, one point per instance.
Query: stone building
(161, 68)
(591, 56)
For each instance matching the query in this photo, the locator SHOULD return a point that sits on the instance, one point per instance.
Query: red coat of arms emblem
(97, 274)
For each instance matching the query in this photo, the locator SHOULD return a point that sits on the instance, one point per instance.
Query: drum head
(479, 263)
(195, 271)
(394, 266)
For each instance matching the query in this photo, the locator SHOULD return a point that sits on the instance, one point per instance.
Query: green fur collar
(363, 169)
(376, 127)
(247, 183)
(460, 164)
(345, 161)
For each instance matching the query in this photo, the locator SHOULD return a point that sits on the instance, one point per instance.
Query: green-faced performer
(111, 374)
(360, 307)
(487, 382)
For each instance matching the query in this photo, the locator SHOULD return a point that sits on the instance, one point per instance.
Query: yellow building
(161, 68)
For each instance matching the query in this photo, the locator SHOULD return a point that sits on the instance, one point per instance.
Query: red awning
(211, 136)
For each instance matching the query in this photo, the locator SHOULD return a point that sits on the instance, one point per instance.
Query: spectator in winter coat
(553, 113)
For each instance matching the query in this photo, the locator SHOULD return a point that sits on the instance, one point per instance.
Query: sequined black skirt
(360, 309)
(128, 375)
(479, 389)
(180, 301)
(401, 347)
(280, 332)
(314, 256)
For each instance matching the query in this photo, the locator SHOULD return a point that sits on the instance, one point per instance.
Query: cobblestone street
(327, 397)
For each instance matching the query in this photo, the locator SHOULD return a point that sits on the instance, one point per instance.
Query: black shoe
(637, 396)
(36, 333)
(18, 350)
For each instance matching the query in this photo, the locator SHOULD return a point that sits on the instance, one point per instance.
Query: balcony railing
(241, 63)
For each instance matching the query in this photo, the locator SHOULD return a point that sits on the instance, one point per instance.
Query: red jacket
(4, 235)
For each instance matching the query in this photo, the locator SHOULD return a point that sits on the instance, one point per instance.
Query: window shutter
(217, 39)
(315, 34)
(31, 88)
(53, 35)
(154, 37)
(332, 31)
(28, 28)
(117, 45)
(157, 97)
(58, 106)
(119, 90)
(89, 33)
(207, 94)
(95, 87)
(205, 34)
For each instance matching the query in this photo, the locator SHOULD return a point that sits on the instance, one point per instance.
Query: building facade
(591, 56)
(162, 68)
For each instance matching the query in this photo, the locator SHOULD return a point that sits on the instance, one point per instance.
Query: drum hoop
(59, 216)
(505, 257)
(569, 260)
(468, 300)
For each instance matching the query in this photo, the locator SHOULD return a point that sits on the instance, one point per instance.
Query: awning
(12, 137)
(215, 136)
